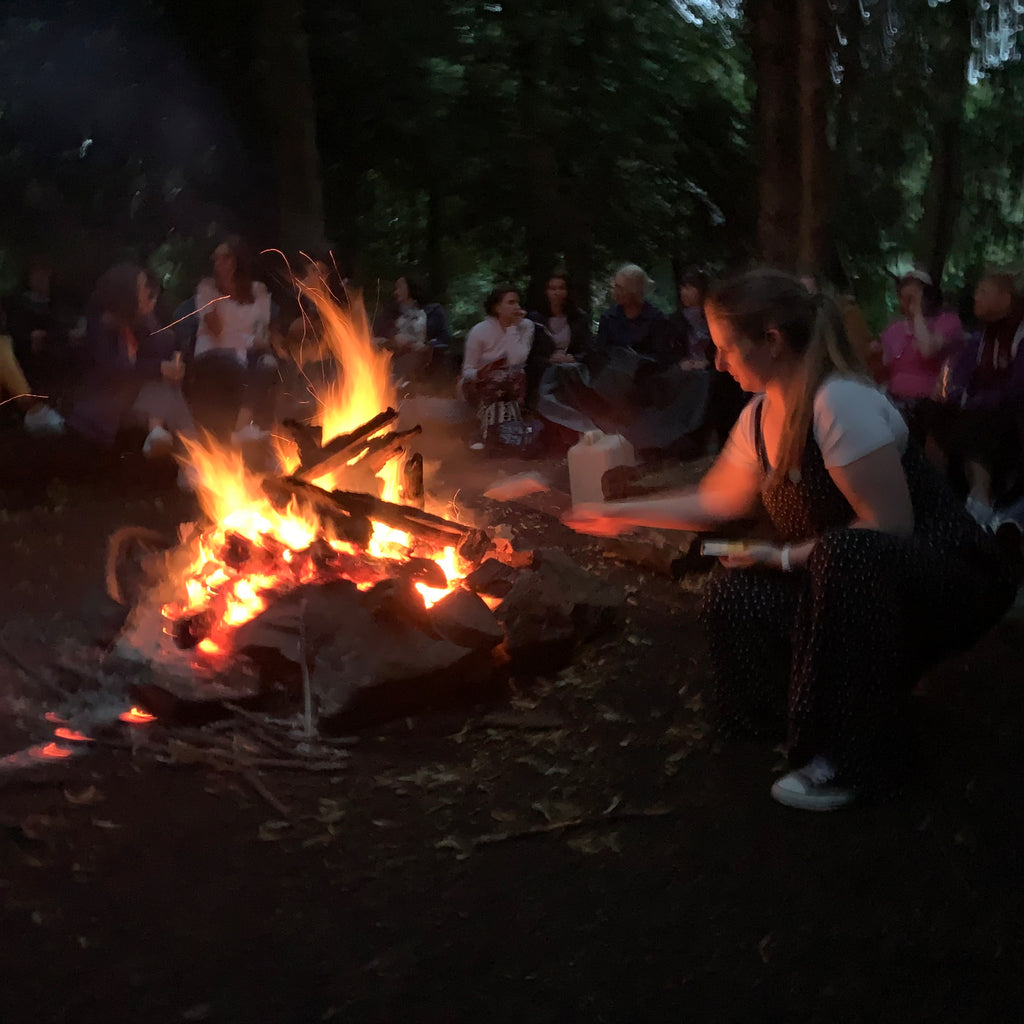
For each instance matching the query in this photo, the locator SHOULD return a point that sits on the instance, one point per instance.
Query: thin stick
(257, 784)
(570, 823)
(307, 683)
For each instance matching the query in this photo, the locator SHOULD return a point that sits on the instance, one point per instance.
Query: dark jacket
(647, 334)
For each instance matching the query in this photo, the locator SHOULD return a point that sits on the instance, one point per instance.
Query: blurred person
(38, 418)
(125, 349)
(980, 422)
(39, 328)
(876, 572)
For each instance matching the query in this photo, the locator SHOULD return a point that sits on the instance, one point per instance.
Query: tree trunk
(813, 241)
(944, 191)
(772, 43)
(437, 270)
(789, 43)
(291, 112)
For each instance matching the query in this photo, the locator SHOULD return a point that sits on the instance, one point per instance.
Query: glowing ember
(255, 550)
(136, 716)
(49, 752)
(71, 736)
(54, 719)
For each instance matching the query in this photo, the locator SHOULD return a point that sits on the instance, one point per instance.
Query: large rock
(366, 663)
(464, 619)
(552, 606)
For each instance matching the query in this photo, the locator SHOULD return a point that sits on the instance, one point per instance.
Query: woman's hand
(214, 322)
(596, 518)
(766, 556)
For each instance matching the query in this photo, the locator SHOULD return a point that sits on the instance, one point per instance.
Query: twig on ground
(492, 838)
(254, 780)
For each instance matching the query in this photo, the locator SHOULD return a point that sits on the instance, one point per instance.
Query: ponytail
(764, 300)
(828, 351)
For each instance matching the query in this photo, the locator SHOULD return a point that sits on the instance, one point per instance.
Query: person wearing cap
(916, 345)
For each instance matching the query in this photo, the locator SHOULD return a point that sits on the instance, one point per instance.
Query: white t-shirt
(489, 341)
(851, 419)
(244, 324)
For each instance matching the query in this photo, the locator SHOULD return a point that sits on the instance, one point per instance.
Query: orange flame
(71, 736)
(230, 572)
(136, 716)
(49, 752)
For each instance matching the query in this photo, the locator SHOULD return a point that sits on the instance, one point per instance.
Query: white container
(590, 458)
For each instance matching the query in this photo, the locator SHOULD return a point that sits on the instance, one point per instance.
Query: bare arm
(876, 488)
(727, 492)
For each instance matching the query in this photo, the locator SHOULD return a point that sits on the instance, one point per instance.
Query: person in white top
(876, 571)
(493, 376)
(234, 369)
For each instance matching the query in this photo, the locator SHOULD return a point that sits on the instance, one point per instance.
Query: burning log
(423, 525)
(355, 528)
(305, 436)
(412, 488)
(315, 459)
(371, 454)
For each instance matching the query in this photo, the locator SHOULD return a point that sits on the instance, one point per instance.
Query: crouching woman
(877, 572)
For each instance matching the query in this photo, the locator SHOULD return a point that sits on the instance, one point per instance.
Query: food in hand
(724, 548)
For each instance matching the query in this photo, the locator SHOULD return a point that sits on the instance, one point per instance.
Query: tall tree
(291, 110)
(788, 36)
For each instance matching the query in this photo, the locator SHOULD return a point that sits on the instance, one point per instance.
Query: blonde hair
(812, 325)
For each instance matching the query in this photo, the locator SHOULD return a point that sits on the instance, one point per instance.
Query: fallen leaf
(324, 839)
(506, 816)
(89, 795)
(595, 842)
(103, 823)
(557, 810)
(271, 831)
(463, 847)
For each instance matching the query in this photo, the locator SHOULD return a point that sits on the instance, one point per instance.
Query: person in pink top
(917, 344)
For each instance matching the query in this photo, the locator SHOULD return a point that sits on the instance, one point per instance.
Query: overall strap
(759, 446)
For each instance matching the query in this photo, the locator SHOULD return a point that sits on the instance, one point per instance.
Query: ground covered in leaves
(576, 848)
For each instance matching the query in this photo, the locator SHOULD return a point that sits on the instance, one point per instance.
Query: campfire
(336, 541)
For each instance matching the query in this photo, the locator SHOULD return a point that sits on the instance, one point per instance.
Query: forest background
(479, 142)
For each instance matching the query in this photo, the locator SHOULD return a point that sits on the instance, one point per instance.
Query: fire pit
(329, 571)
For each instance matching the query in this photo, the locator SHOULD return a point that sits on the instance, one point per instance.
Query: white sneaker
(812, 788)
(43, 419)
(477, 446)
(981, 513)
(159, 443)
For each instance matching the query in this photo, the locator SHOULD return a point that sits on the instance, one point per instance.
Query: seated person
(978, 424)
(39, 418)
(635, 385)
(125, 349)
(632, 322)
(38, 329)
(493, 378)
(915, 346)
(563, 334)
(234, 371)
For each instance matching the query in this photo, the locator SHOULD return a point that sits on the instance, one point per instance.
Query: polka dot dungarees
(836, 646)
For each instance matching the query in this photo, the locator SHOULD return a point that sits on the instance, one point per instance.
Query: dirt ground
(579, 849)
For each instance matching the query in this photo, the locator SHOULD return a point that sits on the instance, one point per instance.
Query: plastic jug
(590, 458)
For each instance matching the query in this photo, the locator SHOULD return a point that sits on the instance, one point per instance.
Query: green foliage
(482, 142)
